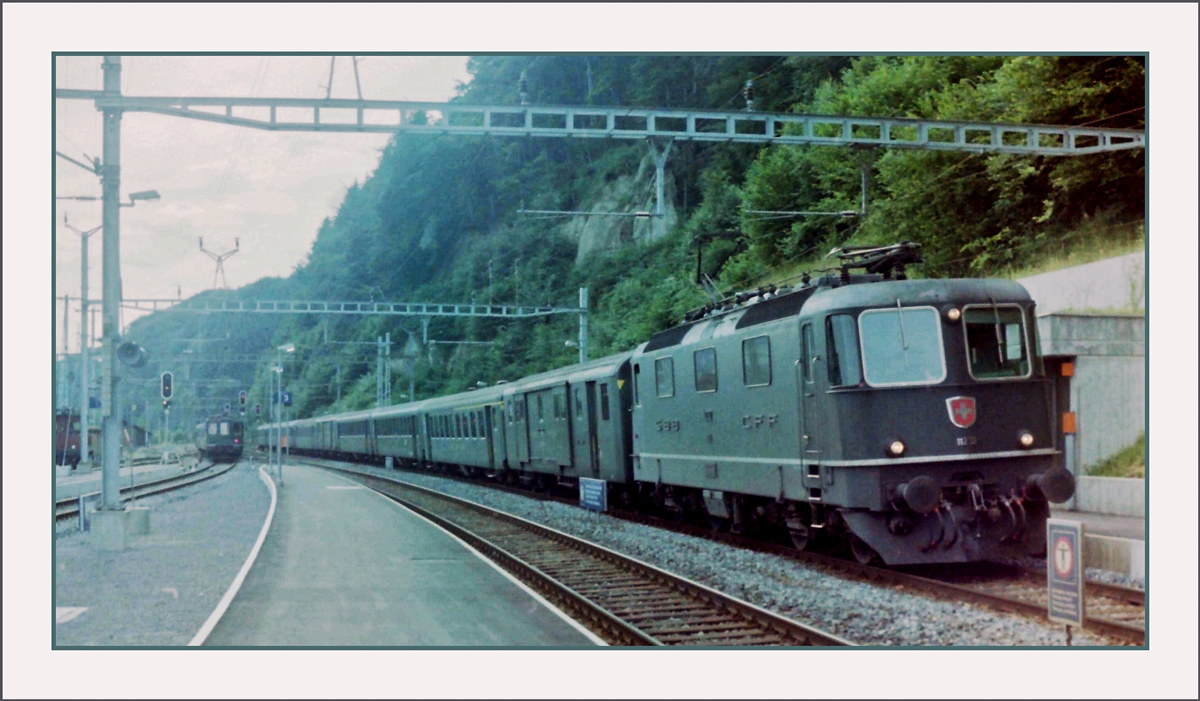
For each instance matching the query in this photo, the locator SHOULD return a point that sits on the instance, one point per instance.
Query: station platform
(344, 566)
(1111, 543)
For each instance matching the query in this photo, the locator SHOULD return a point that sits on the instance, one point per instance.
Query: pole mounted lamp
(147, 195)
(84, 384)
(280, 350)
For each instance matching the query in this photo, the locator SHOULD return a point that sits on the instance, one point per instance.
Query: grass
(1108, 242)
(1095, 241)
(1130, 462)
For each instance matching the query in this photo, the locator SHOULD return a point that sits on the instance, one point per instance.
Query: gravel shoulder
(161, 589)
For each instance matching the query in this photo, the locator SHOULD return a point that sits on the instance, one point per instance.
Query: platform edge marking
(223, 604)
(507, 575)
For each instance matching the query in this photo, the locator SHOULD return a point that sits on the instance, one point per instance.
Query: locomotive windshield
(996, 342)
(902, 346)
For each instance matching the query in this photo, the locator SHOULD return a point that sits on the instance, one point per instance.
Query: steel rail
(624, 631)
(68, 507)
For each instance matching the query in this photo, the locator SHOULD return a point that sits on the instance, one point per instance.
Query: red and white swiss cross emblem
(962, 411)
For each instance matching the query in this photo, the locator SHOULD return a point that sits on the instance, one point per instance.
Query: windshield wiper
(999, 341)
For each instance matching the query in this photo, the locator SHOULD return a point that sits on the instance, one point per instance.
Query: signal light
(168, 381)
(242, 398)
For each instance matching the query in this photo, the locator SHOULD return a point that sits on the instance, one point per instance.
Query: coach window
(604, 401)
(474, 426)
(842, 341)
(558, 407)
(539, 403)
(756, 361)
(705, 361)
(637, 378)
(902, 346)
(578, 402)
(664, 377)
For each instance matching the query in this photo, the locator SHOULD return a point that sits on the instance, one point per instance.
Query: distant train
(67, 446)
(908, 421)
(220, 438)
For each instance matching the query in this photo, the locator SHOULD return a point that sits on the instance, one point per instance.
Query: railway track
(1113, 611)
(68, 508)
(624, 600)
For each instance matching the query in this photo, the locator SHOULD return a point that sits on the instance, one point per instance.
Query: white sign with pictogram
(1065, 571)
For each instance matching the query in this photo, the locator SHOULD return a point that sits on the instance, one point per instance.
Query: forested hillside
(438, 220)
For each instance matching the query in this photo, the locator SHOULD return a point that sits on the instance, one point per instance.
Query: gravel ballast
(162, 588)
(864, 613)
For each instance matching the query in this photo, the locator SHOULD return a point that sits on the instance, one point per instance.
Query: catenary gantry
(391, 116)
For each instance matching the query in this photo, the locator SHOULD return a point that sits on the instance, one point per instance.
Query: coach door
(524, 431)
(583, 428)
(810, 415)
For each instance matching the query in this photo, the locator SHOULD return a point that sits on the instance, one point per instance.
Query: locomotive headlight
(1025, 438)
(896, 448)
(953, 314)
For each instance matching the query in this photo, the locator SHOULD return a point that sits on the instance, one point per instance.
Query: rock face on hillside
(630, 193)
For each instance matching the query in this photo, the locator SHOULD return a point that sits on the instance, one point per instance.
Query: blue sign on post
(1065, 571)
(593, 494)
(287, 398)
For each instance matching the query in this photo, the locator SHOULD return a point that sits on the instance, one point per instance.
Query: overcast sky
(270, 190)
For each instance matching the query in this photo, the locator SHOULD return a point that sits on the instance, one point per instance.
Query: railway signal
(227, 408)
(242, 398)
(168, 380)
(258, 409)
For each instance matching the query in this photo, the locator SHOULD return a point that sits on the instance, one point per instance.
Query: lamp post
(85, 458)
(285, 348)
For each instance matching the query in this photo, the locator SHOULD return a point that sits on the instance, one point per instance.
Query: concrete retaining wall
(1117, 496)
(1121, 555)
(1115, 283)
(1108, 390)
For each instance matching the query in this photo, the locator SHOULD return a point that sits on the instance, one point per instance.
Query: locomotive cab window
(842, 341)
(756, 361)
(664, 377)
(706, 369)
(996, 342)
(902, 346)
(212, 429)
